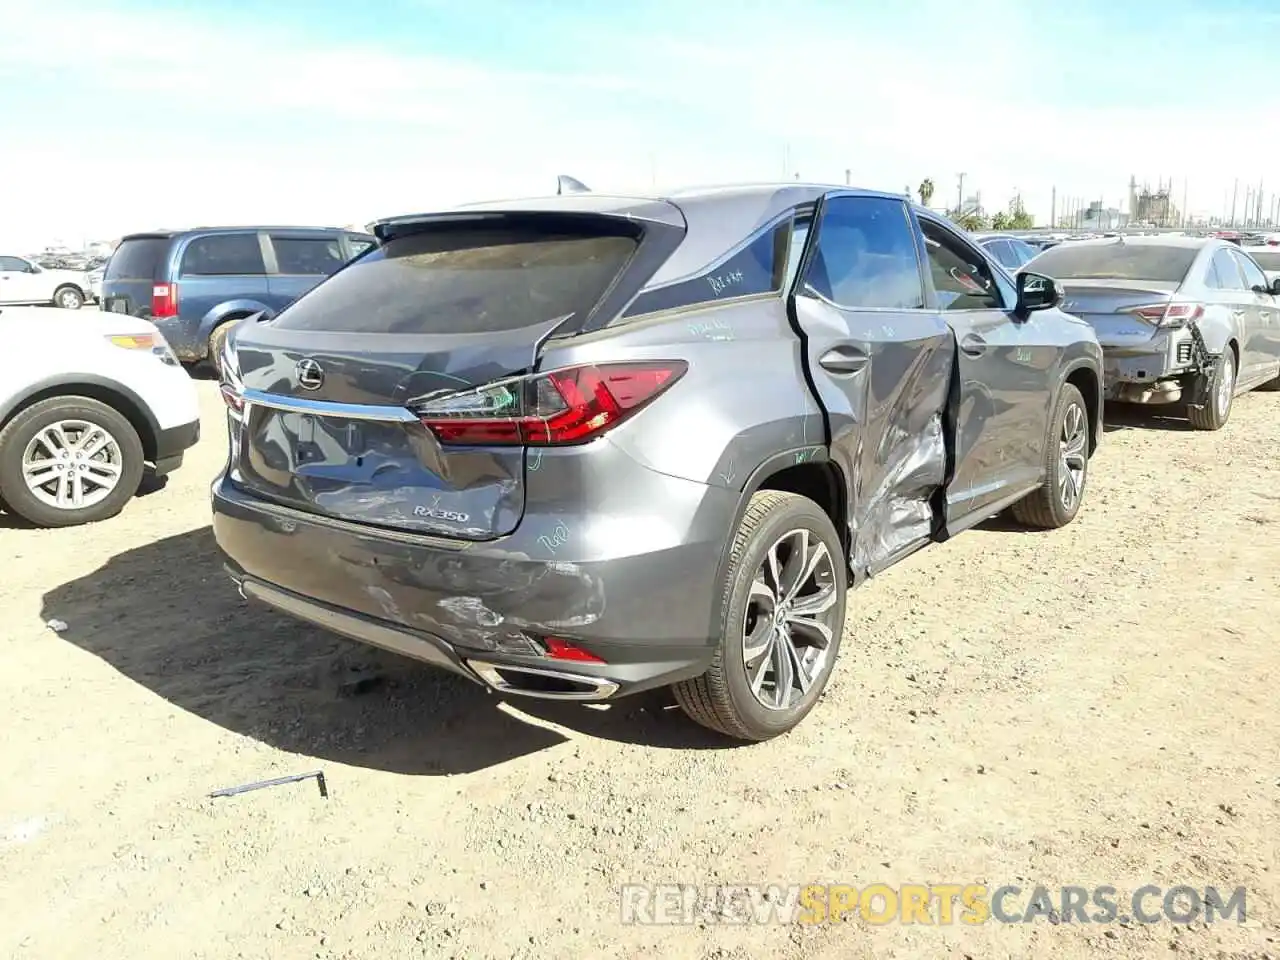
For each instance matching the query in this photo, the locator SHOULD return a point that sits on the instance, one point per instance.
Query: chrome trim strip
(602, 689)
(328, 408)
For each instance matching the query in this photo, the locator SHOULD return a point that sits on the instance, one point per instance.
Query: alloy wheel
(72, 464)
(1073, 456)
(69, 300)
(789, 623)
(1226, 384)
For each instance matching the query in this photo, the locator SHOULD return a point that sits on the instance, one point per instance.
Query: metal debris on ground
(278, 781)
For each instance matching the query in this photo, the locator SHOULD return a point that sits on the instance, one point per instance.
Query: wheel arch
(115, 395)
(228, 311)
(793, 471)
(1085, 378)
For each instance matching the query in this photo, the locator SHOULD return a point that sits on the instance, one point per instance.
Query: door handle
(1238, 314)
(973, 345)
(843, 359)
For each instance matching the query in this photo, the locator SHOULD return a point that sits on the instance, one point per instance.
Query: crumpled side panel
(904, 461)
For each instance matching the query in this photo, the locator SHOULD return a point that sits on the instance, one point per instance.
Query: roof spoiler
(567, 184)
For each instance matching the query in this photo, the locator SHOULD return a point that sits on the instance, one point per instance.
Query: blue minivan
(193, 283)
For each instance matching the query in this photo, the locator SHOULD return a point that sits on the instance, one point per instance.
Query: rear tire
(118, 455)
(1219, 395)
(1057, 502)
(779, 642)
(68, 297)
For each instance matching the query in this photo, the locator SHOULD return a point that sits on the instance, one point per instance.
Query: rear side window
(1117, 261)
(465, 281)
(1001, 250)
(13, 264)
(757, 267)
(866, 256)
(358, 245)
(1223, 272)
(140, 259)
(1022, 252)
(223, 255)
(308, 256)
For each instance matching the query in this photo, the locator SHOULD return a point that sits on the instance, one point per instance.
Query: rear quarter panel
(743, 400)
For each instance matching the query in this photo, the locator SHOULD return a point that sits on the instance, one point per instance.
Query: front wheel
(1218, 392)
(69, 460)
(784, 603)
(68, 298)
(1056, 503)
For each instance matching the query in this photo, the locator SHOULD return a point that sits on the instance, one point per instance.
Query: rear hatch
(437, 310)
(132, 273)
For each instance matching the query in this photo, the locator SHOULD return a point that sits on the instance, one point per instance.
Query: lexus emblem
(310, 374)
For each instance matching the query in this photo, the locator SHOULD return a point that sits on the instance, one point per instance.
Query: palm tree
(926, 191)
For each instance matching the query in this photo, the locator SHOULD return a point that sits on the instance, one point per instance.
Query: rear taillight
(164, 300)
(572, 405)
(1169, 314)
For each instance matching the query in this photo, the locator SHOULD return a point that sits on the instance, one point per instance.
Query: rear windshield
(1266, 259)
(468, 281)
(137, 260)
(1116, 261)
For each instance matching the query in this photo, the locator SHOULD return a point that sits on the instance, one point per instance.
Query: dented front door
(881, 365)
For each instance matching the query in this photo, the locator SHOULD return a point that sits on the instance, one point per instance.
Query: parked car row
(581, 447)
(23, 281)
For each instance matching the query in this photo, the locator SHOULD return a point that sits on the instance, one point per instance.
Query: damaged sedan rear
(1182, 320)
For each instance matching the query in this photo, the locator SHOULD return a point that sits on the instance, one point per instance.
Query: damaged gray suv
(585, 446)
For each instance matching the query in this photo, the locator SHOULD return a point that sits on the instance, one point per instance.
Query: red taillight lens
(558, 649)
(566, 406)
(1169, 314)
(164, 300)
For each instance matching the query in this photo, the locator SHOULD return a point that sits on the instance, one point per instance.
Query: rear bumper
(652, 617)
(1154, 373)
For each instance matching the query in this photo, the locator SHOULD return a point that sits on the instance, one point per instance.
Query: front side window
(866, 256)
(223, 255)
(755, 268)
(13, 265)
(1254, 278)
(308, 256)
(961, 278)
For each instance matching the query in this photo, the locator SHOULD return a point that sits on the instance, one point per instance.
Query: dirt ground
(1092, 706)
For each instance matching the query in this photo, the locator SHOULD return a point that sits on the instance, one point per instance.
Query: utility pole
(960, 196)
(848, 177)
(1053, 208)
(1185, 214)
(1235, 190)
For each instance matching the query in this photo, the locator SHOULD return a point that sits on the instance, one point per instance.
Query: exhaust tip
(543, 684)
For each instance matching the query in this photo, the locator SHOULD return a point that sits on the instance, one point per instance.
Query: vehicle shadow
(1128, 416)
(166, 616)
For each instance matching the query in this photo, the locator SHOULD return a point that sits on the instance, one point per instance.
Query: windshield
(1117, 261)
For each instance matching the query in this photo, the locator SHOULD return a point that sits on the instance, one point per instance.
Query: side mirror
(1036, 292)
(1275, 287)
(32, 268)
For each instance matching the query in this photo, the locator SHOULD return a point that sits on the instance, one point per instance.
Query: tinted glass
(755, 268)
(1225, 273)
(866, 256)
(456, 281)
(358, 245)
(1116, 261)
(311, 256)
(1266, 259)
(1022, 251)
(1001, 250)
(223, 255)
(140, 259)
(12, 263)
(961, 278)
(1254, 278)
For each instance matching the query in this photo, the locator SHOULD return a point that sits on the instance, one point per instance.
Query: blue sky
(137, 114)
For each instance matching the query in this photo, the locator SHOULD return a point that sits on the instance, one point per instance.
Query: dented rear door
(881, 364)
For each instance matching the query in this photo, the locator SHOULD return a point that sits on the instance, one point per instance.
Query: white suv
(83, 408)
(22, 281)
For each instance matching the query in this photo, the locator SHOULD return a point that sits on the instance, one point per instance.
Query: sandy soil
(1092, 706)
